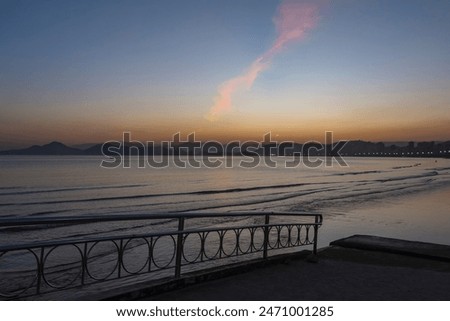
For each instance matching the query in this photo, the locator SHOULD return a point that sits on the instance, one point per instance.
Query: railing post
(316, 231)
(40, 271)
(120, 259)
(84, 264)
(266, 235)
(179, 247)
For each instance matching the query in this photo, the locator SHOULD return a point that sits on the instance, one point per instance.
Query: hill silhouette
(53, 148)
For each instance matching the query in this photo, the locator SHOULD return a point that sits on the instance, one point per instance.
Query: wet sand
(420, 216)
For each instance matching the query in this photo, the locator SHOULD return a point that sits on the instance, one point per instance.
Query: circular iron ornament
(302, 231)
(291, 235)
(124, 251)
(173, 252)
(284, 234)
(116, 265)
(208, 243)
(232, 246)
(295, 235)
(254, 232)
(247, 238)
(273, 240)
(17, 293)
(69, 282)
(185, 255)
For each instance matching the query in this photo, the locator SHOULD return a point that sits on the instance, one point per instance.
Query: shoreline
(420, 215)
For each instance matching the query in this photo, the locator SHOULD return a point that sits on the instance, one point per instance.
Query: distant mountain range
(54, 148)
(352, 148)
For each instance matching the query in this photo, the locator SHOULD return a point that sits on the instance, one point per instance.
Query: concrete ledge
(389, 245)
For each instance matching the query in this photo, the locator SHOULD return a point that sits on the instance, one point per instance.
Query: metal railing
(41, 267)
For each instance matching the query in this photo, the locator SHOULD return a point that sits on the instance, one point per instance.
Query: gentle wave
(207, 192)
(204, 192)
(71, 189)
(358, 173)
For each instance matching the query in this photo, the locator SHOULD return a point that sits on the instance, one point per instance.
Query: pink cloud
(293, 20)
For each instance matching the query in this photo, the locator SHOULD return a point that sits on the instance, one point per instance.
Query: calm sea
(403, 197)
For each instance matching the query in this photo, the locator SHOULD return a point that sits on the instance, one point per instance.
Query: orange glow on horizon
(76, 132)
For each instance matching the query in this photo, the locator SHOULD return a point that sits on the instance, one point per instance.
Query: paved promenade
(356, 268)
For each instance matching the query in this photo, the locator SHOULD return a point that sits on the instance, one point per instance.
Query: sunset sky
(85, 71)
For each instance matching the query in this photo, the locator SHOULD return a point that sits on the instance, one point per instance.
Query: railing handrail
(22, 221)
(69, 241)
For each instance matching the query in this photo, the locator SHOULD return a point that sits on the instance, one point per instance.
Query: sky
(86, 71)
